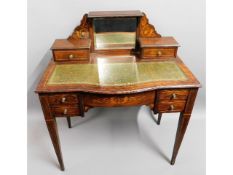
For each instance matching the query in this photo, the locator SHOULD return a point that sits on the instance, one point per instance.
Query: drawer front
(144, 98)
(63, 99)
(181, 94)
(72, 55)
(158, 52)
(65, 110)
(171, 106)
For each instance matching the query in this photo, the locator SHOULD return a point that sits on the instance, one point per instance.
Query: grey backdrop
(138, 138)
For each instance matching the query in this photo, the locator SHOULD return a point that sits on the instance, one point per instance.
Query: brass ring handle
(63, 99)
(71, 56)
(65, 111)
(172, 107)
(173, 96)
(159, 53)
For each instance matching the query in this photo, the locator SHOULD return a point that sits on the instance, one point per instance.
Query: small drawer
(158, 52)
(181, 94)
(65, 110)
(72, 55)
(63, 99)
(171, 106)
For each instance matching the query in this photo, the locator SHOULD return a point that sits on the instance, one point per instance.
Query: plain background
(50, 20)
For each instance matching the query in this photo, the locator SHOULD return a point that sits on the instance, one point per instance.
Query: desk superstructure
(112, 59)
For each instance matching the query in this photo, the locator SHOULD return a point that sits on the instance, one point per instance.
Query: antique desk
(116, 59)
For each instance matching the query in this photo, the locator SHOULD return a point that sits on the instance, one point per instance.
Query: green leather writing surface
(116, 74)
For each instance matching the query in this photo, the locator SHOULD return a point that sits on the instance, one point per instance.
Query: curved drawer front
(144, 98)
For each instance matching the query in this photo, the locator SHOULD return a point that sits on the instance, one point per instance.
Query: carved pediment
(146, 29)
(81, 31)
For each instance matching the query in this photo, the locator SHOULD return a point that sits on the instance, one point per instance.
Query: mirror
(114, 33)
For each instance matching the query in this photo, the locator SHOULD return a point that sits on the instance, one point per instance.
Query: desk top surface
(116, 74)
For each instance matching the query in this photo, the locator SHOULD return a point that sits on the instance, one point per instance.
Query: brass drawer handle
(172, 107)
(159, 53)
(65, 111)
(173, 96)
(71, 56)
(63, 99)
(82, 34)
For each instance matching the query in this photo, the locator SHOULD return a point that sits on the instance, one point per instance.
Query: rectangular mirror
(114, 33)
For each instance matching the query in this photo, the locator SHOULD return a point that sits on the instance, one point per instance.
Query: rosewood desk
(116, 59)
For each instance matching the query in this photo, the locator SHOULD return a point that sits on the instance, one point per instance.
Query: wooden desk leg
(52, 128)
(69, 122)
(159, 118)
(183, 123)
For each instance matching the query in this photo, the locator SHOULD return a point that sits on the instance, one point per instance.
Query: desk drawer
(71, 55)
(144, 98)
(63, 99)
(158, 52)
(180, 94)
(65, 110)
(171, 106)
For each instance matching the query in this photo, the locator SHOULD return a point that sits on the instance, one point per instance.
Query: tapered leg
(52, 128)
(69, 122)
(182, 125)
(159, 118)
